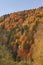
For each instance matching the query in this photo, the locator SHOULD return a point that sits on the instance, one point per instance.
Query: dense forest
(21, 38)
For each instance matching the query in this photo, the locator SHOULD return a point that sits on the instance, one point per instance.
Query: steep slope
(38, 45)
(22, 34)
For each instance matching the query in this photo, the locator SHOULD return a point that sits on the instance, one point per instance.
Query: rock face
(22, 33)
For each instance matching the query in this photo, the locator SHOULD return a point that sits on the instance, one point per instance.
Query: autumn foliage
(17, 33)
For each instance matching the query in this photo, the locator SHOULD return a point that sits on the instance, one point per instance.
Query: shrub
(5, 56)
(22, 30)
(23, 63)
(16, 20)
(25, 27)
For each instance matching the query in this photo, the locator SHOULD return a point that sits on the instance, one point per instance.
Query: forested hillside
(21, 38)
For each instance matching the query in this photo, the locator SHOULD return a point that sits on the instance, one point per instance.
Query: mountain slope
(38, 45)
(22, 34)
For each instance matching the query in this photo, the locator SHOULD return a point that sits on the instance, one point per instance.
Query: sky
(10, 6)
